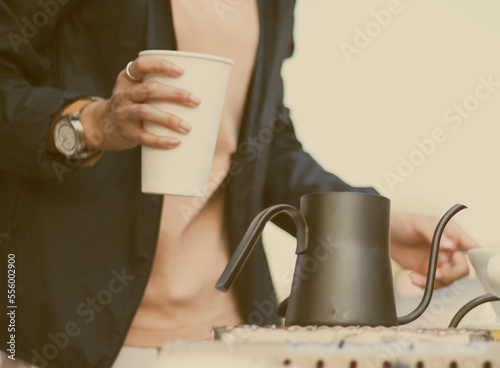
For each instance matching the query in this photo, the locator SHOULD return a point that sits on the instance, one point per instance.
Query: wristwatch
(69, 135)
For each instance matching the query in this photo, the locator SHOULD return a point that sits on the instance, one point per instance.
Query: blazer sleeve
(292, 172)
(28, 104)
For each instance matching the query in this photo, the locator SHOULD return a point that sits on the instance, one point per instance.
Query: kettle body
(345, 277)
(343, 274)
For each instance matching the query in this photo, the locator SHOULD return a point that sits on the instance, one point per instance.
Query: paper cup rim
(484, 250)
(188, 54)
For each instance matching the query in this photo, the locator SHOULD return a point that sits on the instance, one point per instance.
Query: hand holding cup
(117, 123)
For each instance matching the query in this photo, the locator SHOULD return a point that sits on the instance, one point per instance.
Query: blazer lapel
(276, 25)
(161, 31)
(251, 112)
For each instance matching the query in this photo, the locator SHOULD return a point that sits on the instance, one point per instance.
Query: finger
(146, 112)
(421, 281)
(453, 236)
(145, 65)
(426, 226)
(418, 279)
(144, 138)
(443, 258)
(456, 268)
(149, 91)
(451, 271)
(446, 242)
(450, 268)
(463, 240)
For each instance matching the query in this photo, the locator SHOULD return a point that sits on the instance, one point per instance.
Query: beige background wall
(364, 104)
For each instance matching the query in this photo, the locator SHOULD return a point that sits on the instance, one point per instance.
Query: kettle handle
(253, 234)
(431, 272)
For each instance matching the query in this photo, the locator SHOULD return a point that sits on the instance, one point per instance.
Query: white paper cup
(486, 262)
(185, 169)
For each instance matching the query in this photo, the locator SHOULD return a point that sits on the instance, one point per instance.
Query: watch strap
(76, 106)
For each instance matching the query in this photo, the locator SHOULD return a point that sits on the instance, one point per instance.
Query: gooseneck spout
(471, 305)
(253, 234)
(431, 272)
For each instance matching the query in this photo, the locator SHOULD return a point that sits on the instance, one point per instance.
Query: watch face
(66, 137)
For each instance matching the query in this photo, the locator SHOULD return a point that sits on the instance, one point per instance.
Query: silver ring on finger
(127, 71)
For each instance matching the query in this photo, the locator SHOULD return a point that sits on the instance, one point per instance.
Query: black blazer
(85, 238)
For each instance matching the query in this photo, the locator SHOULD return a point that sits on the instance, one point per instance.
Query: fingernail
(416, 277)
(185, 126)
(173, 141)
(447, 242)
(195, 99)
(177, 69)
(439, 275)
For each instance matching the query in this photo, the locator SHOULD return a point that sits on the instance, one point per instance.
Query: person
(100, 266)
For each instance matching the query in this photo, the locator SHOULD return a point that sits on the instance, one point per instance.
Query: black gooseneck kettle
(343, 272)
